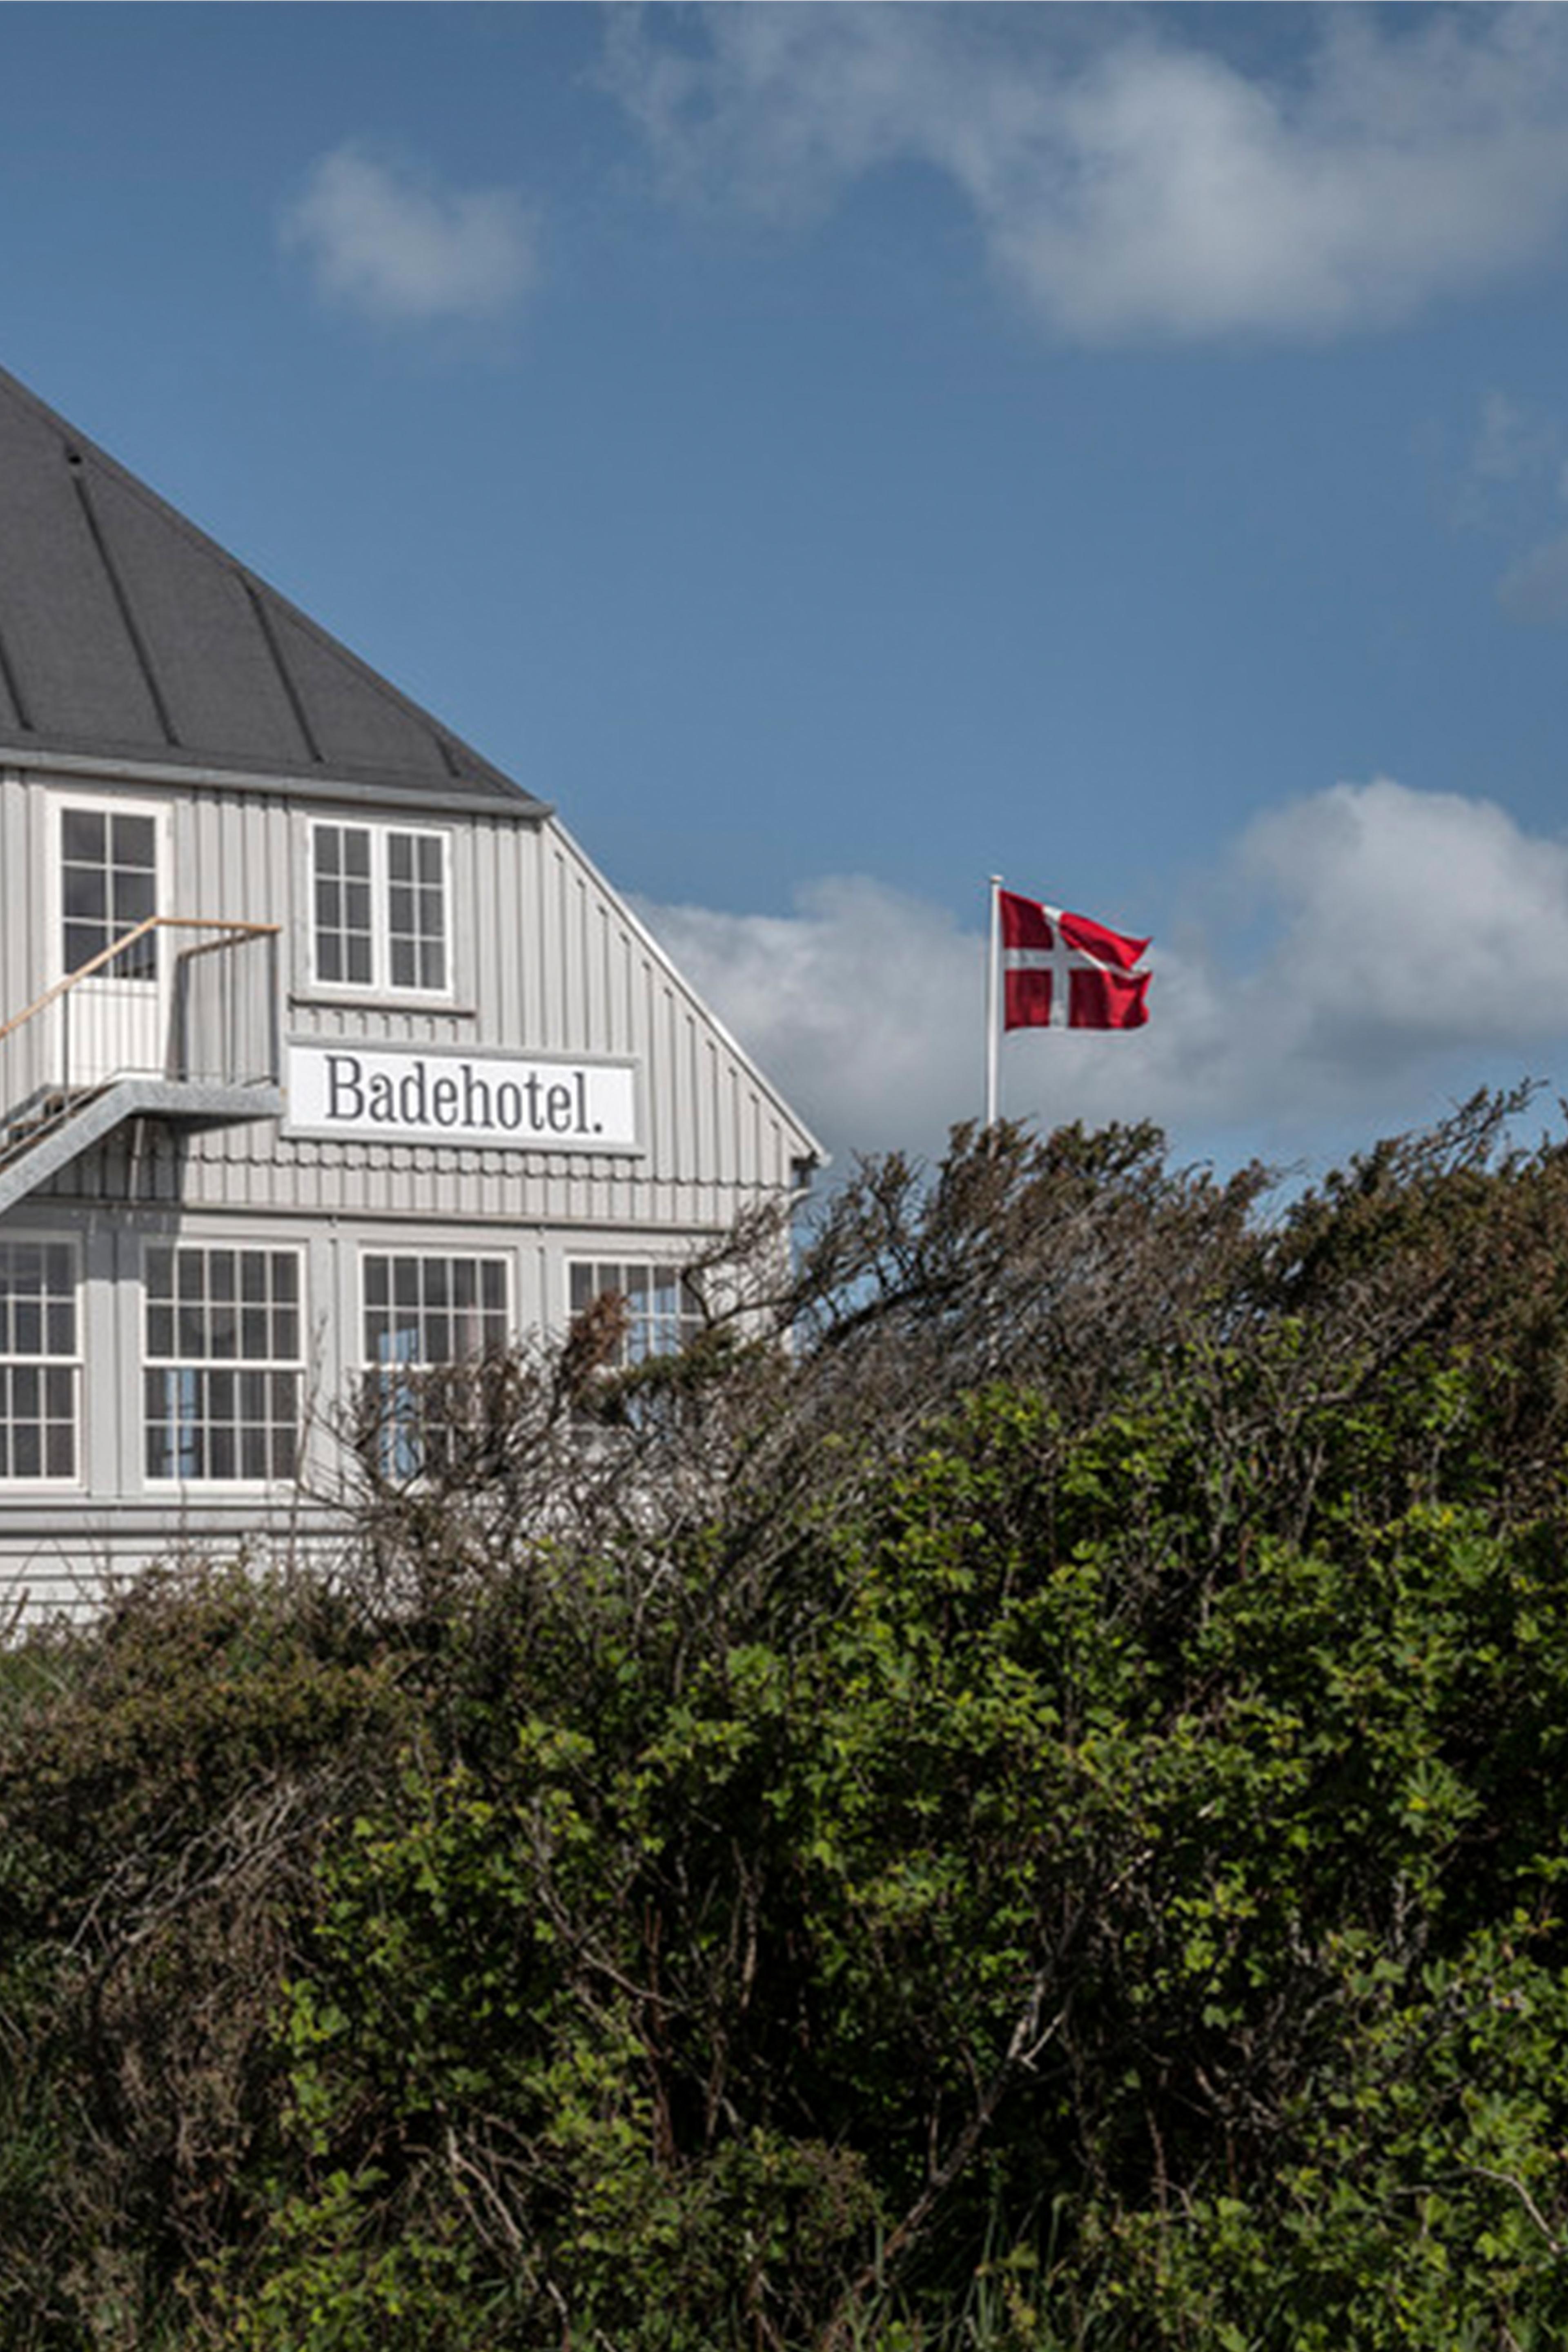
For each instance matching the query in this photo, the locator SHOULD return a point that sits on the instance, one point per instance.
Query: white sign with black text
(504, 1100)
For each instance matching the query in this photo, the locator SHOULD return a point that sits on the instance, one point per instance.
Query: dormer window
(380, 913)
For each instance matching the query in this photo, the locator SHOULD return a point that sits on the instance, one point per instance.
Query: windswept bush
(1030, 1821)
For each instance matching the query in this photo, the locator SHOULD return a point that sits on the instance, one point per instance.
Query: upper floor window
(380, 908)
(109, 883)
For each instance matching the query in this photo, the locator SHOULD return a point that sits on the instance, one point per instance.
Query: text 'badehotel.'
(325, 1054)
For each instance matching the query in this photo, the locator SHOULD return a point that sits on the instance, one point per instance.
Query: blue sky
(837, 452)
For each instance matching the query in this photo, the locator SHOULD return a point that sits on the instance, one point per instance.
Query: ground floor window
(224, 1363)
(426, 1318)
(662, 1310)
(40, 1363)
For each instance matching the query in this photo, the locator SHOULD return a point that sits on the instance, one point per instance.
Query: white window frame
(380, 834)
(200, 1367)
(683, 1327)
(105, 804)
(397, 1446)
(46, 1361)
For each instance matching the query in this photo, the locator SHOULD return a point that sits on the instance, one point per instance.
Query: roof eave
(502, 799)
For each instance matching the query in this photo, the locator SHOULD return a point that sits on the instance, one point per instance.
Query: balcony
(177, 1019)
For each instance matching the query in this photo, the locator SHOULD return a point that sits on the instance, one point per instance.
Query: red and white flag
(1062, 971)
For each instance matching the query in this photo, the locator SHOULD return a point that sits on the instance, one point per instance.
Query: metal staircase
(211, 1058)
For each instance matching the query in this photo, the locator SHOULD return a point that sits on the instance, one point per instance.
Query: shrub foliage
(1029, 1820)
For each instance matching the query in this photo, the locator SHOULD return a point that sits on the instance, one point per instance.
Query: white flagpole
(993, 1005)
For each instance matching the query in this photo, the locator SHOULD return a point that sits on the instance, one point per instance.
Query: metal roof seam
(123, 600)
(285, 678)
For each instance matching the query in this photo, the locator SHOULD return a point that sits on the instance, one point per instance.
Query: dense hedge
(1032, 1822)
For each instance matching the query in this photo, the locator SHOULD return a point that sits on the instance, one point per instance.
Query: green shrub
(1031, 1824)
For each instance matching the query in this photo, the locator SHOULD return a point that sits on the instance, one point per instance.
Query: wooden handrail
(118, 947)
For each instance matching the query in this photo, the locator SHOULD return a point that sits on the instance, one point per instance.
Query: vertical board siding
(545, 961)
(21, 957)
(24, 960)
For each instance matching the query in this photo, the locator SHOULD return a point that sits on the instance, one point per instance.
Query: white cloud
(1515, 443)
(1516, 480)
(865, 1006)
(1417, 941)
(1535, 586)
(382, 240)
(1414, 923)
(1127, 181)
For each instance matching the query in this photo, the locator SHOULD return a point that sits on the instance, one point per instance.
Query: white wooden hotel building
(322, 1046)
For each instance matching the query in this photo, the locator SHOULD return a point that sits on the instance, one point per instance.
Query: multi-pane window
(662, 1310)
(224, 1363)
(417, 909)
(41, 1364)
(346, 929)
(109, 883)
(425, 1318)
(380, 908)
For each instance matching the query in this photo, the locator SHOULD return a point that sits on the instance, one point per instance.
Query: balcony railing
(224, 1014)
(206, 1015)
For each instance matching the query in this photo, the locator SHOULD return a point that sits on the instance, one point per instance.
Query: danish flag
(1062, 971)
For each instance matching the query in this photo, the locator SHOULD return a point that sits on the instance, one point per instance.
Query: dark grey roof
(126, 633)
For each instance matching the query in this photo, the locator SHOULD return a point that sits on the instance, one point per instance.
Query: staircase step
(19, 1135)
(85, 1116)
